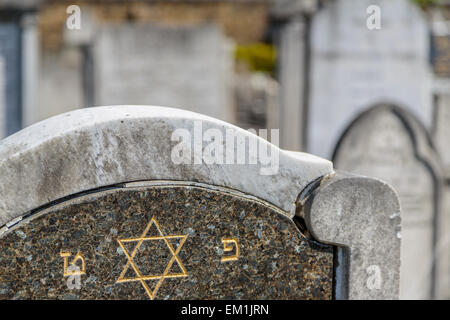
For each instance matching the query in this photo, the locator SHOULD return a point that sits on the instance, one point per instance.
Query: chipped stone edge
(331, 230)
(426, 154)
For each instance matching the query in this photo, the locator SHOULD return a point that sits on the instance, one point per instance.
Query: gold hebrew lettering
(78, 257)
(228, 245)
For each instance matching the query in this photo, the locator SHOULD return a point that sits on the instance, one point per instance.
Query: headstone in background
(353, 67)
(10, 44)
(387, 143)
(362, 217)
(60, 83)
(189, 67)
(291, 35)
(66, 80)
(292, 70)
(442, 130)
(256, 97)
(101, 210)
(441, 136)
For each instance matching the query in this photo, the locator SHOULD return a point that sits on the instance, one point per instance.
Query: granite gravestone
(164, 242)
(387, 143)
(357, 66)
(97, 208)
(190, 67)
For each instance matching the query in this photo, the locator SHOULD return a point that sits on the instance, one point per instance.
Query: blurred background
(365, 83)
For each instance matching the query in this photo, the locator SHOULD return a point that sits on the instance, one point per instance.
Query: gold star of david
(141, 278)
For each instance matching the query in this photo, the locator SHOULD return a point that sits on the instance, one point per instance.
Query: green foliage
(427, 3)
(258, 56)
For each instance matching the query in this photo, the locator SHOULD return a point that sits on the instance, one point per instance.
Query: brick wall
(244, 22)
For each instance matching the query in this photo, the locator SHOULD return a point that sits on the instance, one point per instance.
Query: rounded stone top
(98, 147)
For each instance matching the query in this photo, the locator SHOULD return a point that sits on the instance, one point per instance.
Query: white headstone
(388, 144)
(291, 75)
(442, 130)
(354, 66)
(60, 83)
(147, 64)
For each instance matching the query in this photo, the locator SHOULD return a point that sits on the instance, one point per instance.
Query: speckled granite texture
(275, 260)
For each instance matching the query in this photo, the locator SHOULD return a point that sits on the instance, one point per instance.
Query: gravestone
(354, 67)
(110, 203)
(256, 98)
(442, 130)
(361, 217)
(441, 137)
(385, 142)
(10, 44)
(60, 85)
(185, 241)
(291, 35)
(150, 64)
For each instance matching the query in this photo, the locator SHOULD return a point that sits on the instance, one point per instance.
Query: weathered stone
(354, 67)
(441, 136)
(96, 147)
(62, 70)
(292, 69)
(387, 142)
(90, 197)
(256, 98)
(442, 130)
(362, 216)
(187, 67)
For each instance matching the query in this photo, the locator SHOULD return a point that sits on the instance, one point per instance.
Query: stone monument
(442, 130)
(125, 202)
(386, 142)
(188, 67)
(354, 65)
